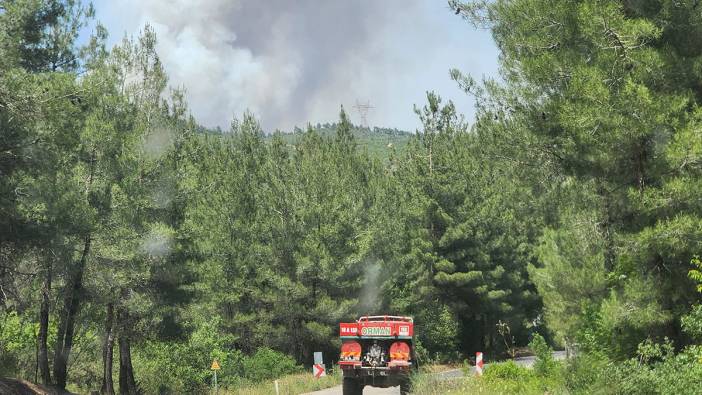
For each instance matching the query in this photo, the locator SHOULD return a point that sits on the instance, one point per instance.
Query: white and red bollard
(479, 363)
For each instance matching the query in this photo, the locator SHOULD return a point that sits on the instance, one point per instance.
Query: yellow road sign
(215, 365)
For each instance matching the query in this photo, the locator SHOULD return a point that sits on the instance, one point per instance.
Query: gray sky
(293, 62)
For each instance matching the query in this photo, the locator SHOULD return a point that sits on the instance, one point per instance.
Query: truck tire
(405, 386)
(351, 386)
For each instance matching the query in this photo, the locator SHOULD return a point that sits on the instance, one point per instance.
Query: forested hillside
(134, 242)
(379, 142)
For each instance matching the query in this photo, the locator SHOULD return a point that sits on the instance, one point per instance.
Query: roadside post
(318, 369)
(215, 367)
(479, 363)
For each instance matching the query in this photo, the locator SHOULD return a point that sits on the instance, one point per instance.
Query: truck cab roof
(378, 327)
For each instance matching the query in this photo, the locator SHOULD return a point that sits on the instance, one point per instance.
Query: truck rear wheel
(405, 386)
(352, 386)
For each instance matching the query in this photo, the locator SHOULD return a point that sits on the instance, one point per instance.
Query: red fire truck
(377, 351)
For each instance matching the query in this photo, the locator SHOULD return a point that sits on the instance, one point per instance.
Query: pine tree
(605, 92)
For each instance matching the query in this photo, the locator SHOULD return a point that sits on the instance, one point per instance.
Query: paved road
(523, 361)
(366, 391)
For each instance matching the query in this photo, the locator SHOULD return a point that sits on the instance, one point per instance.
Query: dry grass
(301, 383)
(438, 368)
(430, 384)
(293, 384)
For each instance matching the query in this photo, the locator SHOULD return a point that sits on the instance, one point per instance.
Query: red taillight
(399, 351)
(350, 351)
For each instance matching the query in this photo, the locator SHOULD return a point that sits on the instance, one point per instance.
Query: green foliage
(573, 197)
(381, 143)
(599, 97)
(592, 337)
(678, 375)
(290, 260)
(571, 276)
(267, 364)
(545, 363)
(583, 373)
(188, 363)
(17, 344)
(696, 274)
(510, 378)
(667, 373)
(692, 322)
(648, 351)
(611, 331)
(507, 370)
(153, 359)
(454, 233)
(185, 245)
(440, 335)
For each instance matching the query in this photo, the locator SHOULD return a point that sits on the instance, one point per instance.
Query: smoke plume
(370, 293)
(291, 62)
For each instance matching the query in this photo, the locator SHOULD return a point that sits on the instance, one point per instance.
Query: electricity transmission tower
(363, 109)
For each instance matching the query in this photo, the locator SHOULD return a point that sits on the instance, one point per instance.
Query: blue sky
(293, 62)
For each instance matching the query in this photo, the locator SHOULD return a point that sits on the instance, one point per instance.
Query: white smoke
(158, 242)
(291, 62)
(157, 142)
(370, 293)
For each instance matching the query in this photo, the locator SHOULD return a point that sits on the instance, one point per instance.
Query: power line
(363, 110)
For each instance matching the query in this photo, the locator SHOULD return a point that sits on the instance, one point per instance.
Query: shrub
(510, 378)
(17, 345)
(544, 364)
(188, 364)
(508, 371)
(267, 364)
(692, 322)
(680, 374)
(583, 372)
(667, 374)
(187, 368)
(440, 338)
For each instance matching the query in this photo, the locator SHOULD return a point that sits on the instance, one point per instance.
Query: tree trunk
(127, 384)
(108, 353)
(43, 353)
(64, 342)
(3, 297)
(606, 226)
(72, 299)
